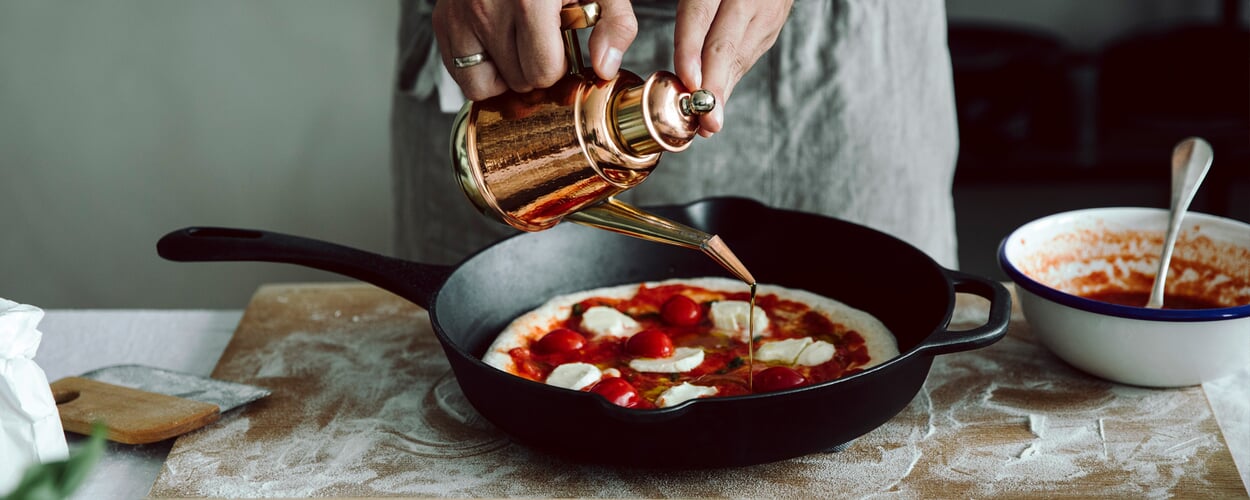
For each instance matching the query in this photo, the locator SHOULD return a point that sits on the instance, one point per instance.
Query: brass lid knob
(660, 115)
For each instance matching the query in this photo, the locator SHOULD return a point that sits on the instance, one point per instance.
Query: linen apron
(851, 114)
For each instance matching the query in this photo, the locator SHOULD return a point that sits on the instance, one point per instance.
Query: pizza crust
(532, 325)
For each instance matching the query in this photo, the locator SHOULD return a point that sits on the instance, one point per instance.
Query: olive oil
(715, 248)
(719, 252)
(751, 342)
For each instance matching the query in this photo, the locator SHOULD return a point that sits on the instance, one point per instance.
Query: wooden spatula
(142, 404)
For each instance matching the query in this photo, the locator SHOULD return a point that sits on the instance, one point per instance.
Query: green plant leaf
(57, 480)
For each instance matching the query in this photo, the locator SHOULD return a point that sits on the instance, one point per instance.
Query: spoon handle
(1165, 260)
(1191, 159)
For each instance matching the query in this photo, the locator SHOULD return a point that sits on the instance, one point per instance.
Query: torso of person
(851, 114)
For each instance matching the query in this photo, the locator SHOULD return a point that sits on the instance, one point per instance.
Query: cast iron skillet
(471, 302)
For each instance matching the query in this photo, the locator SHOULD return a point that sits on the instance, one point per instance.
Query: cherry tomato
(558, 341)
(680, 310)
(618, 391)
(777, 378)
(650, 343)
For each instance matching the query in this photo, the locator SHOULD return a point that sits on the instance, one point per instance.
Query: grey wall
(122, 120)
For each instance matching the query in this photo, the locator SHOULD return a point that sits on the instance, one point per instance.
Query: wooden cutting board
(364, 405)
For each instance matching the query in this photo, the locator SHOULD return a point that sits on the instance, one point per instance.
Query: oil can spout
(620, 217)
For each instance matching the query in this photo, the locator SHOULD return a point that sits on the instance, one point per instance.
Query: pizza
(659, 344)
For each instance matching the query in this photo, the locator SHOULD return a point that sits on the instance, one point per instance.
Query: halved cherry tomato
(558, 341)
(680, 310)
(777, 378)
(618, 391)
(650, 343)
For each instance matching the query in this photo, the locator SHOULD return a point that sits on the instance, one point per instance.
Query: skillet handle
(948, 341)
(411, 280)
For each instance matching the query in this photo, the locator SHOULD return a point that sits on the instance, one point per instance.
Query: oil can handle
(579, 16)
(573, 18)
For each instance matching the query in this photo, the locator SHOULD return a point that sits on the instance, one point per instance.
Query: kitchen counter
(192, 341)
(78, 341)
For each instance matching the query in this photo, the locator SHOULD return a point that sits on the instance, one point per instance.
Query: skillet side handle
(948, 341)
(414, 281)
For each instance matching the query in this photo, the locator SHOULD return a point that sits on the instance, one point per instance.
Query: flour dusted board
(364, 405)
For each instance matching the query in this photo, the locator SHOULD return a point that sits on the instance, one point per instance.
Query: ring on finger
(469, 60)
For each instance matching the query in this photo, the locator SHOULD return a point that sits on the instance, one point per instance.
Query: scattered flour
(375, 412)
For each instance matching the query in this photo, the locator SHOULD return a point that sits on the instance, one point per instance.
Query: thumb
(612, 35)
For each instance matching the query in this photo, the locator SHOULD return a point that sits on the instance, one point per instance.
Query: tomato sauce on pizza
(660, 344)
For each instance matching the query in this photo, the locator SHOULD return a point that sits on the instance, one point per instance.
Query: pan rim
(920, 348)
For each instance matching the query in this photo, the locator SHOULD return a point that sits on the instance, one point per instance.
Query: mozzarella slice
(732, 316)
(785, 351)
(574, 376)
(803, 351)
(604, 320)
(681, 393)
(819, 352)
(683, 359)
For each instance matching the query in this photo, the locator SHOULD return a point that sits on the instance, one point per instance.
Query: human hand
(522, 42)
(717, 41)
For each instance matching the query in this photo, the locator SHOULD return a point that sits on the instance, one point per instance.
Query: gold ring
(469, 60)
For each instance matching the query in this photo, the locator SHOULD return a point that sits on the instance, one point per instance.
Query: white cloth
(30, 426)
(851, 114)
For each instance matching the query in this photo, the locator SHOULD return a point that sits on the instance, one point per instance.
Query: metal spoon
(1191, 158)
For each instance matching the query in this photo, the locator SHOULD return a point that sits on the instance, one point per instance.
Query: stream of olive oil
(751, 342)
(715, 248)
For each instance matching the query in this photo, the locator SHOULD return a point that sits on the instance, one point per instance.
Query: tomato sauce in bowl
(1116, 265)
(1139, 299)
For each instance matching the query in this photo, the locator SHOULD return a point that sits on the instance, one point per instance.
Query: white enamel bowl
(1056, 259)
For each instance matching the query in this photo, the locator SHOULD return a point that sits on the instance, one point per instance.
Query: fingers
(717, 41)
(704, 48)
(521, 41)
(539, 48)
(612, 36)
(694, 19)
(456, 38)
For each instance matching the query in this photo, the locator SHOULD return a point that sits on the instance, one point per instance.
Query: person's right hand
(522, 42)
(717, 41)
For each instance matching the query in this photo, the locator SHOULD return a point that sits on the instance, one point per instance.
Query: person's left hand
(717, 41)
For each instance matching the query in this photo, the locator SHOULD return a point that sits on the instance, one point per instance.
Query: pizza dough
(601, 322)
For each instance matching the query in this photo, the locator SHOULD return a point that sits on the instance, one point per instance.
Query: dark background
(1051, 122)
